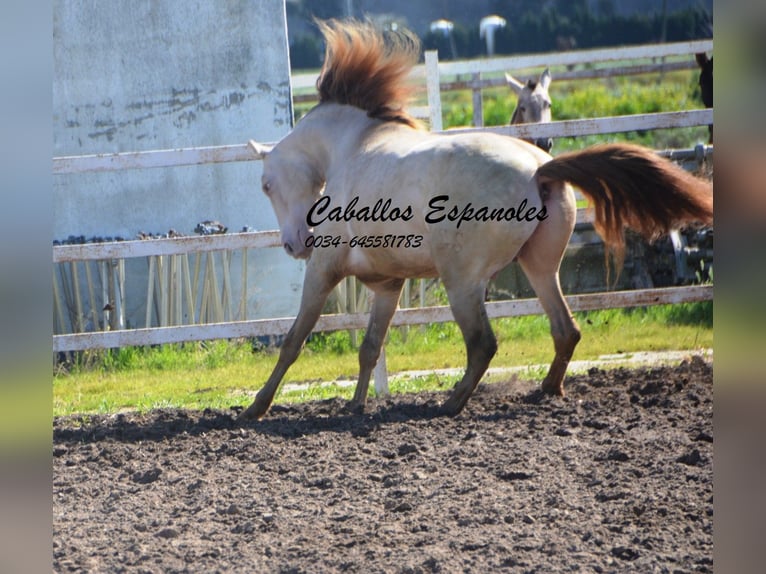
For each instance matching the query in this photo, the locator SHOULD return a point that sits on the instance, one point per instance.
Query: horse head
(534, 104)
(292, 187)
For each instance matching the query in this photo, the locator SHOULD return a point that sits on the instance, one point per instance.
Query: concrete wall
(159, 74)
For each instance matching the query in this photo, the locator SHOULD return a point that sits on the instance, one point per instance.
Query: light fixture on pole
(487, 28)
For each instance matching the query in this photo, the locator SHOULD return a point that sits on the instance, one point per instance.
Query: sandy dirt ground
(616, 477)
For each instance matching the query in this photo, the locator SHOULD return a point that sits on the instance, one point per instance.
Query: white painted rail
(438, 314)
(165, 246)
(486, 65)
(240, 152)
(151, 158)
(592, 126)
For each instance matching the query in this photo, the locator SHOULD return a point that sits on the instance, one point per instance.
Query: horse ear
(701, 58)
(545, 79)
(260, 150)
(514, 84)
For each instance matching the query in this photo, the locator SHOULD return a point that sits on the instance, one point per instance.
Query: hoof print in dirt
(146, 477)
(511, 476)
(168, 533)
(692, 458)
(624, 553)
(536, 397)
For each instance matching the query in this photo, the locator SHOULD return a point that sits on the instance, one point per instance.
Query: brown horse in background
(706, 84)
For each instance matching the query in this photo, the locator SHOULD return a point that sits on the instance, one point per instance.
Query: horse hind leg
(386, 298)
(467, 303)
(564, 328)
(540, 258)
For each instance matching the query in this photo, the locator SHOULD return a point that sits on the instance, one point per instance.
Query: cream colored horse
(358, 189)
(533, 104)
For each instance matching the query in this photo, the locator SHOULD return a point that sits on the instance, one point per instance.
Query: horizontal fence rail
(575, 57)
(593, 126)
(152, 158)
(402, 317)
(241, 152)
(165, 246)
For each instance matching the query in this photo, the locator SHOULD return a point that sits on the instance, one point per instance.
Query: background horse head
(706, 83)
(534, 104)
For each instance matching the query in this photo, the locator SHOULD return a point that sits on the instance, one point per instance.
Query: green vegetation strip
(221, 374)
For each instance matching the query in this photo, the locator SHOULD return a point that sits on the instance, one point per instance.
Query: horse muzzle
(544, 144)
(298, 246)
(297, 250)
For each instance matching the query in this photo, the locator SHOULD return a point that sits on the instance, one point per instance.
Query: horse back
(473, 198)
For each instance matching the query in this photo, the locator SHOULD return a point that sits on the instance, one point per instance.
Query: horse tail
(630, 186)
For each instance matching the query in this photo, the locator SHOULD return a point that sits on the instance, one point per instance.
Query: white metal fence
(433, 71)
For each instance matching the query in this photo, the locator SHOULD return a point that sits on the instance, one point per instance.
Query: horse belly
(392, 253)
(479, 251)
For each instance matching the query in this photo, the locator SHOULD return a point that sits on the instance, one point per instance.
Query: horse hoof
(253, 412)
(556, 391)
(452, 407)
(355, 407)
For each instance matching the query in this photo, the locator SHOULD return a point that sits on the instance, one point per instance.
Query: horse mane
(367, 68)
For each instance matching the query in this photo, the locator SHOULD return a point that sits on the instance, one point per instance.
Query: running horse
(360, 188)
(533, 104)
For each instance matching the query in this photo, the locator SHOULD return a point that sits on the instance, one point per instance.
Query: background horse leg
(540, 258)
(316, 289)
(467, 303)
(384, 305)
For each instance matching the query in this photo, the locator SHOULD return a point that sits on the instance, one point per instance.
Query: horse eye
(523, 108)
(266, 187)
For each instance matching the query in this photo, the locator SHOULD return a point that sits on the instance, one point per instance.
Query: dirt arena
(617, 477)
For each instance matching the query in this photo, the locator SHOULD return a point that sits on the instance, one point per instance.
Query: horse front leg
(467, 303)
(316, 288)
(386, 298)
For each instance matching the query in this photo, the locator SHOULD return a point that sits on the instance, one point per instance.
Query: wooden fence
(479, 74)
(109, 332)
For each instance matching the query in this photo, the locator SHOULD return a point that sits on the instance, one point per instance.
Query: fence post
(381, 374)
(433, 87)
(478, 110)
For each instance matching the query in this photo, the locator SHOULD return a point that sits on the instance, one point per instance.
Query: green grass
(220, 374)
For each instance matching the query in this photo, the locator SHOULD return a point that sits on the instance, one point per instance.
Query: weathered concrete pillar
(162, 74)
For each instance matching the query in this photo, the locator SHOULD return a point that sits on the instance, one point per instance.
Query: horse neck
(516, 117)
(329, 134)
